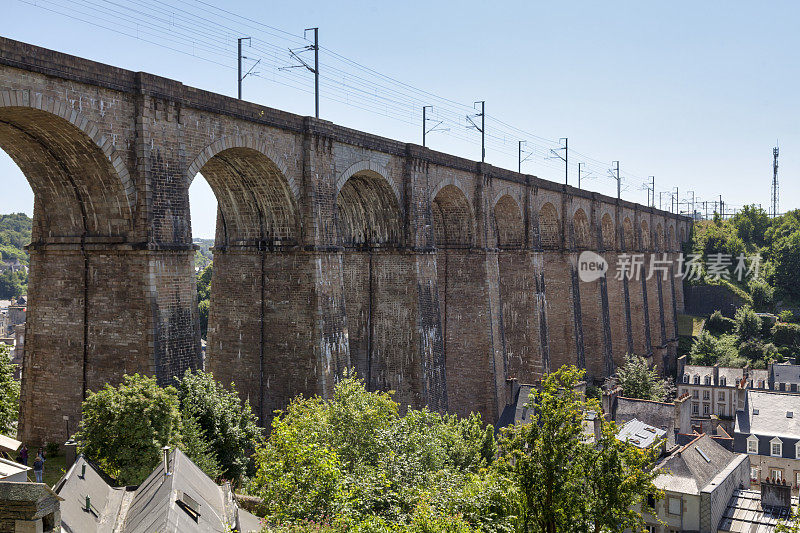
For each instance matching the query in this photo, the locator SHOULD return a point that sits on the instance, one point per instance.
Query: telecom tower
(775, 190)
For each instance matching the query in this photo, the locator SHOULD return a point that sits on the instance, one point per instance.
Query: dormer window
(686, 378)
(752, 444)
(776, 447)
(723, 381)
(797, 453)
(697, 380)
(707, 380)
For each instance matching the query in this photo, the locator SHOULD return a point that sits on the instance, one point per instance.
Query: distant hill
(15, 234)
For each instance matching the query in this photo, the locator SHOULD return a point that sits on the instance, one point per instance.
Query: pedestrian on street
(38, 468)
(23, 454)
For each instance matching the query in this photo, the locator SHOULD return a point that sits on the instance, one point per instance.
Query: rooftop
(770, 413)
(691, 468)
(745, 514)
(640, 434)
(184, 501)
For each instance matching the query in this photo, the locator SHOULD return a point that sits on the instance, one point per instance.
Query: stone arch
(628, 237)
(608, 233)
(549, 226)
(367, 211)
(453, 223)
(580, 228)
(368, 167)
(258, 143)
(683, 234)
(255, 198)
(671, 239)
(80, 182)
(645, 239)
(659, 237)
(509, 227)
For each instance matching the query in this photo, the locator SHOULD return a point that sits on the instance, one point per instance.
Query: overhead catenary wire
(174, 25)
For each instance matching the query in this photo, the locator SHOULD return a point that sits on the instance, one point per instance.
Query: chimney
(776, 494)
(715, 374)
(683, 414)
(610, 402)
(165, 449)
(681, 367)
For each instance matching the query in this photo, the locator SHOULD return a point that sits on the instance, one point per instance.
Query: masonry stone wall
(434, 276)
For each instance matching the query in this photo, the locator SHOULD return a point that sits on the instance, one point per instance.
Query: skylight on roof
(755, 411)
(789, 414)
(703, 454)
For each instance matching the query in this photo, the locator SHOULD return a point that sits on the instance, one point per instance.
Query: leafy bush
(718, 324)
(704, 350)
(124, 428)
(9, 394)
(762, 293)
(748, 323)
(786, 316)
(639, 380)
(784, 334)
(223, 420)
(356, 457)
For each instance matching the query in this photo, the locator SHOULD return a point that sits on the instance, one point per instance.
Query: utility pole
(619, 183)
(519, 158)
(482, 127)
(721, 207)
(775, 191)
(653, 189)
(425, 122)
(240, 77)
(579, 174)
(687, 203)
(659, 199)
(293, 53)
(316, 70)
(564, 158)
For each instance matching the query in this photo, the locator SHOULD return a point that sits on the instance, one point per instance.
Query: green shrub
(718, 324)
(786, 316)
(748, 323)
(784, 334)
(704, 350)
(763, 294)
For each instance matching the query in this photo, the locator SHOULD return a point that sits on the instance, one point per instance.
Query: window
(721, 409)
(722, 396)
(651, 502)
(706, 409)
(695, 394)
(674, 506)
(706, 395)
(752, 444)
(697, 380)
(695, 409)
(776, 447)
(723, 381)
(686, 378)
(754, 473)
(707, 380)
(797, 450)
(797, 477)
(776, 473)
(760, 383)
(651, 529)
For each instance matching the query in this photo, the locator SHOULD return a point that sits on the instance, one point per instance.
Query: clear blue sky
(695, 93)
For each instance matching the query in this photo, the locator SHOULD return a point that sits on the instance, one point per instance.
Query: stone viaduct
(435, 276)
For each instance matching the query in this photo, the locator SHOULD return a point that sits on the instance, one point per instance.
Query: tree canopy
(640, 380)
(9, 394)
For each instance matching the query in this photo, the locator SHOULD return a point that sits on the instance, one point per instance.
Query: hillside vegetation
(15, 234)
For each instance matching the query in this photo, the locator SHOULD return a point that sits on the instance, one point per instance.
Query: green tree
(786, 259)
(704, 350)
(564, 482)
(639, 380)
(227, 423)
(124, 428)
(197, 448)
(204, 297)
(356, 458)
(9, 394)
(12, 284)
(748, 323)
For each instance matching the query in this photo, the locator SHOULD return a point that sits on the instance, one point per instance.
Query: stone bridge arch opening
(508, 224)
(582, 235)
(549, 227)
(453, 225)
(628, 237)
(607, 232)
(368, 224)
(77, 309)
(250, 320)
